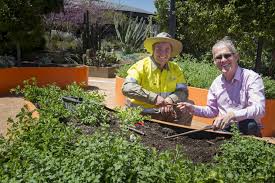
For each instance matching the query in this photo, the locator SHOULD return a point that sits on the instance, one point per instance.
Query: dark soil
(199, 147)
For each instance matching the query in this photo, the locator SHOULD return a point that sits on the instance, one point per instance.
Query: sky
(143, 4)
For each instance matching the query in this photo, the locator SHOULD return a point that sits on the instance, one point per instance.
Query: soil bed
(199, 147)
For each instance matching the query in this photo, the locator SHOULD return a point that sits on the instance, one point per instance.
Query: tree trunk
(258, 60)
(18, 53)
(271, 71)
(172, 19)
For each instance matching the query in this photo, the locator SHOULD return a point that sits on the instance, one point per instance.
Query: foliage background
(201, 23)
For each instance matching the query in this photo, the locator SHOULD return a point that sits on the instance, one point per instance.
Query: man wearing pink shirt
(235, 96)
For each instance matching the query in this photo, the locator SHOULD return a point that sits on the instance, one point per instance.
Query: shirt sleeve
(211, 109)
(132, 88)
(256, 101)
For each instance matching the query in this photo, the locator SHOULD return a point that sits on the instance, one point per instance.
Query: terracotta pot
(62, 76)
(199, 96)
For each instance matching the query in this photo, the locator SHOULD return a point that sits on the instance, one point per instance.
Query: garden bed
(76, 138)
(199, 147)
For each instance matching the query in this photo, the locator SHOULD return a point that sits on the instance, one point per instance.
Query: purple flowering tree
(72, 16)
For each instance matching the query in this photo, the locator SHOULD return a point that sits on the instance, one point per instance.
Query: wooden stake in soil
(189, 132)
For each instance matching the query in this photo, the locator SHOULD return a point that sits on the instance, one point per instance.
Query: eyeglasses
(226, 56)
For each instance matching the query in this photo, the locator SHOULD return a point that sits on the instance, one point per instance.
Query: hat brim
(176, 45)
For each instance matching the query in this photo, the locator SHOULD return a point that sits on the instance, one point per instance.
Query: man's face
(226, 61)
(162, 53)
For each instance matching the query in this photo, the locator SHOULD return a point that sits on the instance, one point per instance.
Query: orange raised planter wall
(62, 76)
(199, 96)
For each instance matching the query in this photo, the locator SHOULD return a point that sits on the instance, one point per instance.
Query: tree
(20, 22)
(250, 22)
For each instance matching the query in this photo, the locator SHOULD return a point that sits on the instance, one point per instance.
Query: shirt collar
(238, 74)
(236, 77)
(155, 65)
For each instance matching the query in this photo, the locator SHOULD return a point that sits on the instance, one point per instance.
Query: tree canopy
(200, 23)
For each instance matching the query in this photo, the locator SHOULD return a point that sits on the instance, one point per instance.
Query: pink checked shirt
(244, 96)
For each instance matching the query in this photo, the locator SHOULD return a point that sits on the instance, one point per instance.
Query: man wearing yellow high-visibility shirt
(155, 83)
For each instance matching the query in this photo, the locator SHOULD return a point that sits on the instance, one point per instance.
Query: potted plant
(102, 64)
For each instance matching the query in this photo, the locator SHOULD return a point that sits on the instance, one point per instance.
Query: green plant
(130, 116)
(122, 70)
(130, 58)
(7, 61)
(269, 85)
(131, 33)
(45, 150)
(197, 74)
(101, 59)
(241, 161)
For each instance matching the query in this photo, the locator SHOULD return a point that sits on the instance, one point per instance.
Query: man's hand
(160, 101)
(185, 105)
(223, 121)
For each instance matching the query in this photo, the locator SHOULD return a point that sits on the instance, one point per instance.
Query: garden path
(9, 107)
(105, 86)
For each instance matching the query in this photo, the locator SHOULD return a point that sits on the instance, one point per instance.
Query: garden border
(62, 76)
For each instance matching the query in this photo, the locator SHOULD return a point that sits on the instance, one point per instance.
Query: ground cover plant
(86, 143)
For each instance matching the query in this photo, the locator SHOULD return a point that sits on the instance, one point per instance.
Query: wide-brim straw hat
(163, 37)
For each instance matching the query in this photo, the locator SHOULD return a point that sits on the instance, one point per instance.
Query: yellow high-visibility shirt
(162, 82)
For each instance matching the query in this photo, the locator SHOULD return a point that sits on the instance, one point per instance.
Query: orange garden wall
(120, 98)
(199, 96)
(62, 76)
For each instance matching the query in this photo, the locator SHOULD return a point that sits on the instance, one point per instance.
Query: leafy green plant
(241, 161)
(49, 100)
(269, 85)
(90, 113)
(101, 59)
(122, 70)
(130, 116)
(197, 74)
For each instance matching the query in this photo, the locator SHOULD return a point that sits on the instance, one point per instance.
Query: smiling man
(235, 96)
(155, 83)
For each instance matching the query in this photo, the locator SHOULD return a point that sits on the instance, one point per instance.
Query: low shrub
(7, 61)
(269, 85)
(101, 59)
(241, 161)
(130, 58)
(49, 100)
(199, 75)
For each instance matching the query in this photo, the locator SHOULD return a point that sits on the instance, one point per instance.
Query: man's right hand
(160, 101)
(186, 105)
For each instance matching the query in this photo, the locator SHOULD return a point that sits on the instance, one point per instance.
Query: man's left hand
(223, 121)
